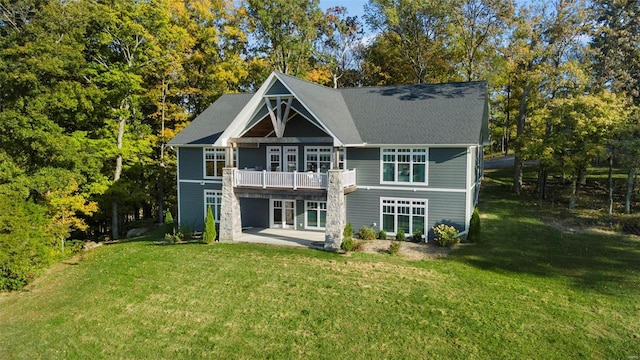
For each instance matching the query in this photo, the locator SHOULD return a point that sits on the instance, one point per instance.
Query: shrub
(367, 233)
(400, 236)
(186, 231)
(347, 244)
(348, 231)
(446, 235)
(209, 234)
(474, 227)
(358, 246)
(382, 235)
(168, 222)
(394, 247)
(168, 218)
(417, 236)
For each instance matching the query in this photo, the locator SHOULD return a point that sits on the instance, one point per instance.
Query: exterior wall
(255, 212)
(191, 205)
(300, 127)
(191, 165)
(446, 192)
(256, 158)
(363, 207)
(447, 180)
(447, 167)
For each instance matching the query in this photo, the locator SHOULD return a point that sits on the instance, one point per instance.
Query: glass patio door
(283, 214)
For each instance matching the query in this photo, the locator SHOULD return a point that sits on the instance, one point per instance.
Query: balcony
(290, 180)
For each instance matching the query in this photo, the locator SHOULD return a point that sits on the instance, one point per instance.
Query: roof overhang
(241, 122)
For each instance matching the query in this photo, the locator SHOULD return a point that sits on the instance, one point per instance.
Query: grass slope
(526, 291)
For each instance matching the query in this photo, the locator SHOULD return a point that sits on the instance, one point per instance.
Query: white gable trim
(243, 118)
(246, 114)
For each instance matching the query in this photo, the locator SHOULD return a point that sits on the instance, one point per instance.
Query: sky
(354, 7)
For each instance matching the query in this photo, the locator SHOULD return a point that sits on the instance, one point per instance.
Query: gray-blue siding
(363, 207)
(256, 158)
(191, 163)
(447, 167)
(191, 207)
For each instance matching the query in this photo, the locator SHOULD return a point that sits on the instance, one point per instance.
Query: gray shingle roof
(441, 114)
(327, 104)
(418, 114)
(208, 126)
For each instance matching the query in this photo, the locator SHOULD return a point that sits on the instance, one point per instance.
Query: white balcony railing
(289, 180)
(349, 178)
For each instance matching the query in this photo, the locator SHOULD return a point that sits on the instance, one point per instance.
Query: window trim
(411, 207)
(306, 210)
(343, 156)
(217, 196)
(411, 163)
(215, 151)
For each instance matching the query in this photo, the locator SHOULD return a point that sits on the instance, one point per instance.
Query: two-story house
(299, 155)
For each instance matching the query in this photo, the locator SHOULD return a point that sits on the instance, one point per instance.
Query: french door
(283, 214)
(282, 158)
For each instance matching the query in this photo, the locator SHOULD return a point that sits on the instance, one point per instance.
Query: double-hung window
(215, 160)
(404, 165)
(407, 215)
(213, 199)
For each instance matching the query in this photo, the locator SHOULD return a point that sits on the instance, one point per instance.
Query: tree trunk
(162, 165)
(542, 183)
(631, 177)
(507, 121)
(118, 170)
(522, 116)
(610, 178)
(575, 188)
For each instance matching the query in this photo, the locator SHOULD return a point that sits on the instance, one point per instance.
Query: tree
(616, 54)
(209, 234)
(342, 35)
(421, 31)
(480, 25)
(286, 33)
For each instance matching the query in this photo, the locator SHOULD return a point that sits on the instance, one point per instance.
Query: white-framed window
(274, 158)
(404, 165)
(315, 214)
(215, 160)
(408, 215)
(320, 158)
(213, 198)
(290, 158)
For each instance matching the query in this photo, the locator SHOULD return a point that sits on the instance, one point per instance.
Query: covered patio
(283, 237)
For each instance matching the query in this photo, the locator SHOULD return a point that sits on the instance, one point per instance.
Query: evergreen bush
(209, 234)
(382, 235)
(348, 231)
(348, 244)
(400, 235)
(474, 227)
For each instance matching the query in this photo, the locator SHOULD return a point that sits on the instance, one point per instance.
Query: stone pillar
(230, 220)
(336, 211)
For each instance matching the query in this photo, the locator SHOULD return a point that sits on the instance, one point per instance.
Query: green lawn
(527, 291)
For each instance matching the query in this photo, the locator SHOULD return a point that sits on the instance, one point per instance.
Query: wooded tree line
(91, 90)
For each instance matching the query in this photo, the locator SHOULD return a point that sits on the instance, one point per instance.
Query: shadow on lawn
(515, 240)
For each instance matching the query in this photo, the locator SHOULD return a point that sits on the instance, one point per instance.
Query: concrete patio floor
(283, 237)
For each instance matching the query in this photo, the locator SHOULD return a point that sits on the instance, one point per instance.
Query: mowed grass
(527, 291)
